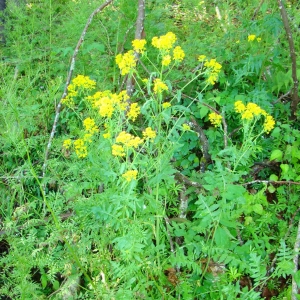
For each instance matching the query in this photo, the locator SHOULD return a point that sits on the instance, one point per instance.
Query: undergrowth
(186, 188)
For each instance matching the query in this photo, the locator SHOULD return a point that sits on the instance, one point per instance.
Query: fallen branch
(204, 144)
(280, 182)
(225, 135)
(257, 9)
(70, 73)
(183, 179)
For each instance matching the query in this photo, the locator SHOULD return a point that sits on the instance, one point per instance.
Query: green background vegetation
(80, 231)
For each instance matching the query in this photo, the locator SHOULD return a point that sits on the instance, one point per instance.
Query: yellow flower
(201, 57)
(251, 37)
(166, 105)
(128, 140)
(186, 127)
(67, 143)
(159, 86)
(106, 108)
(123, 137)
(135, 142)
(106, 135)
(85, 82)
(139, 45)
(90, 126)
(88, 137)
(214, 65)
(239, 106)
(126, 62)
(130, 175)
(178, 54)
(118, 150)
(254, 109)
(258, 39)
(80, 148)
(166, 60)
(148, 133)
(247, 115)
(269, 123)
(133, 112)
(215, 119)
(212, 78)
(164, 42)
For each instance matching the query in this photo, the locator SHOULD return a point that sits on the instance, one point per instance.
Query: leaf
(271, 189)
(44, 280)
(273, 177)
(203, 111)
(56, 285)
(284, 168)
(221, 238)
(276, 155)
(258, 208)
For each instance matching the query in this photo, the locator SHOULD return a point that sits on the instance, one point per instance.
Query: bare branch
(70, 73)
(139, 34)
(183, 179)
(225, 135)
(257, 9)
(281, 182)
(204, 144)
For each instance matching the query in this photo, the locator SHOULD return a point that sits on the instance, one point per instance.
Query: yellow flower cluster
(215, 119)
(164, 42)
(80, 148)
(252, 37)
(269, 123)
(80, 82)
(106, 102)
(67, 143)
(186, 127)
(90, 126)
(166, 60)
(201, 57)
(80, 144)
(214, 68)
(166, 105)
(148, 133)
(139, 46)
(84, 82)
(126, 140)
(251, 110)
(133, 112)
(130, 175)
(126, 62)
(214, 65)
(178, 54)
(118, 150)
(159, 86)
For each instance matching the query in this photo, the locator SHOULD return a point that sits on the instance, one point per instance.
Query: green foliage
(210, 209)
